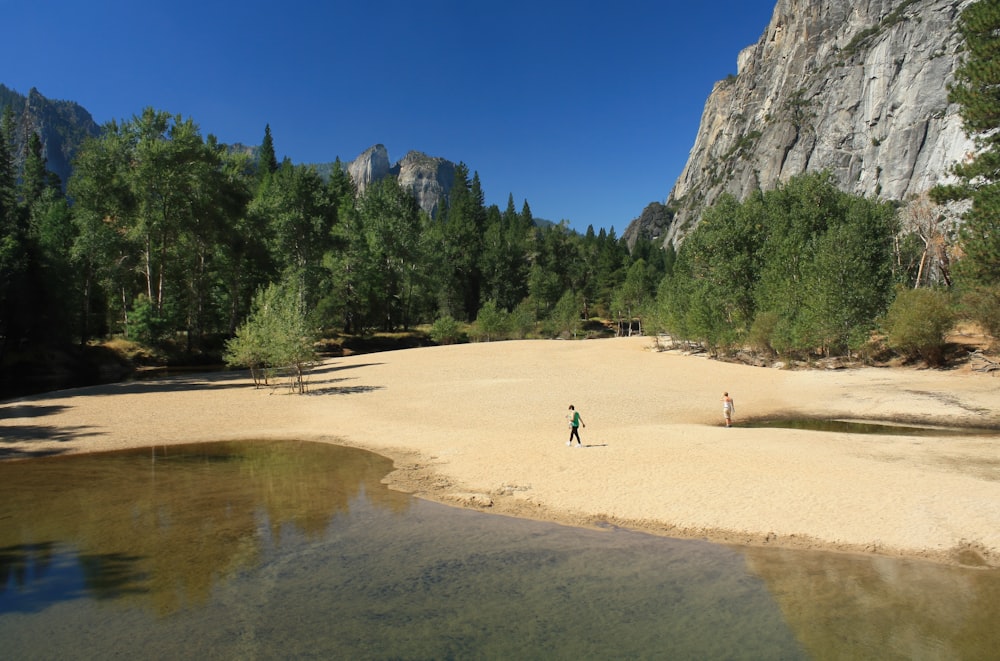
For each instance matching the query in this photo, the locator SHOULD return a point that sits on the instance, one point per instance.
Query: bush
(917, 322)
(145, 325)
(445, 330)
(275, 335)
(491, 322)
(982, 305)
(521, 321)
(762, 331)
(565, 318)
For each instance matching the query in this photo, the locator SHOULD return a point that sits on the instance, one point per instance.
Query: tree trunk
(920, 269)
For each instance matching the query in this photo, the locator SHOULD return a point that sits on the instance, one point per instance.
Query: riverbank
(483, 425)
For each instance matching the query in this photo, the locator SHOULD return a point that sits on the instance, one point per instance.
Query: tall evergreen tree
(155, 200)
(34, 177)
(390, 224)
(104, 257)
(267, 162)
(504, 263)
(460, 234)
(977, 91)
(11, 241)
(300, 216)
(526, 218)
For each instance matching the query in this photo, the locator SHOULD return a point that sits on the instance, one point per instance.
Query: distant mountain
(856, 88)
(429, 178)
(62, 126)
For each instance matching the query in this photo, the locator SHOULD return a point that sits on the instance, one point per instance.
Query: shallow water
(857, 427)
(297, 550)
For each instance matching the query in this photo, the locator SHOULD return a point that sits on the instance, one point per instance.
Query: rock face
(856, 88)
(652, 224)
(430, 178)
(370, 166)
(61, 125)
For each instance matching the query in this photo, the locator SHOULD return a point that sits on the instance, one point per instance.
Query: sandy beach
(484, 426)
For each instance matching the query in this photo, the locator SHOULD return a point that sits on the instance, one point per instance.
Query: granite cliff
(855, 88)
(430, 178)
(62, 126)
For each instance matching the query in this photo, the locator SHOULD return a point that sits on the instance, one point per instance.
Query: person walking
(728, 409)
(575, 421)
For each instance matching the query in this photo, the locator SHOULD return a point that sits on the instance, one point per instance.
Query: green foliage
(166, 235)
(445, 330)
(458, 235)
(977, 91)
(763, 332)
(849, 279)
(521, 320)
(566, 319)
(491, 322)
(295, 204)
(982, 305)
(503, 264)
(145, 325)
(276, 335)
(390, 232)
(917, 322)
(13, 251)
(34, 177)
(267, 161)
(798, 269)
(153, 200)
(629, 301)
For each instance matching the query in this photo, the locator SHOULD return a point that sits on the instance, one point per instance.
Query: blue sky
(585, 109)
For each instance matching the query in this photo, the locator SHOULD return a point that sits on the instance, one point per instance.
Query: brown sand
(484, 425)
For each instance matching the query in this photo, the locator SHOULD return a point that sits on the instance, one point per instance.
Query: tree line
(166, 237)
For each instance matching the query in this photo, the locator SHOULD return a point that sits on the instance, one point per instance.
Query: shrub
(982, 305)
(275, 335)
(521, 321)
(762, 331)
(565, 318)
(491, 322)
(445, 330)
(145, 325)
(916, 324)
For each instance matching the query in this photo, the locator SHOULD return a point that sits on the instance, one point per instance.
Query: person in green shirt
(575, 421)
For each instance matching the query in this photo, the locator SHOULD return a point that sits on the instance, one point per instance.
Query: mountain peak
(429, 178)
(859, 89)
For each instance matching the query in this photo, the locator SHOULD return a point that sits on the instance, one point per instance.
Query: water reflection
(162, 525)
(288, 550)
(869, 607)
(858, 427)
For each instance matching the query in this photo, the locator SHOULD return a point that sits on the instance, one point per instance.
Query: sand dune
(484, 425)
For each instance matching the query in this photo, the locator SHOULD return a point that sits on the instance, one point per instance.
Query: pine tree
(35, 177)
(977, 91)
(12, 242)
(268, 161)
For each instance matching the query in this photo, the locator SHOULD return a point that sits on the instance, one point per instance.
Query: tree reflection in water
(146, 524)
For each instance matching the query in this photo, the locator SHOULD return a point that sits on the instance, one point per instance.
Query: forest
(165, 237)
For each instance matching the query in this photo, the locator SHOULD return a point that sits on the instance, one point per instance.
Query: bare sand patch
(484, 426)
